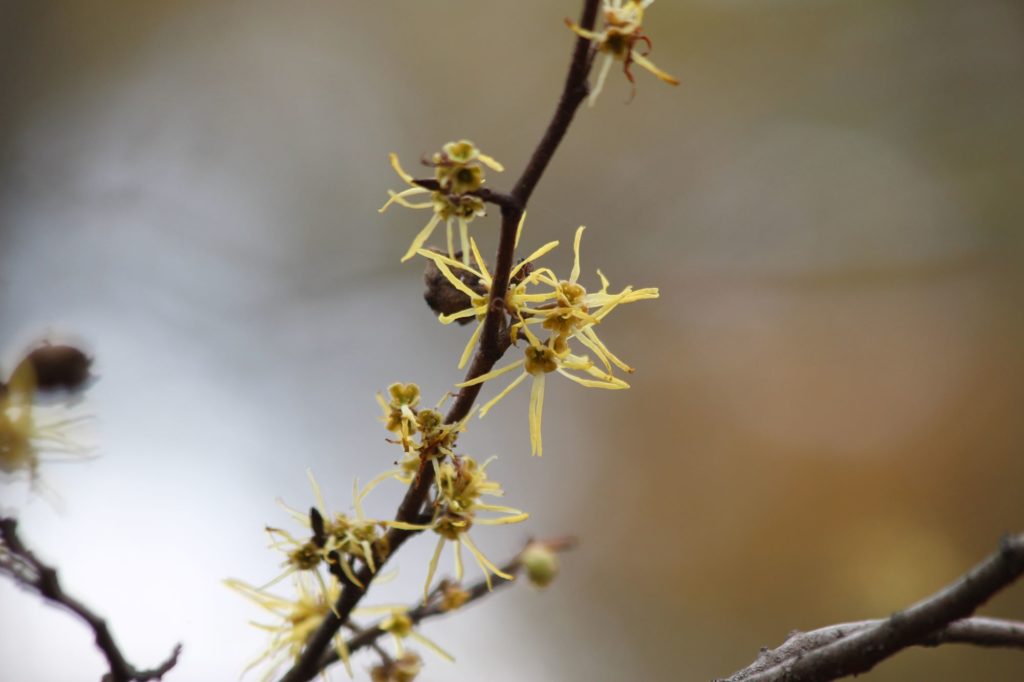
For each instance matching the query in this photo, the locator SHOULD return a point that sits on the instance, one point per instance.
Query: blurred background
(825, 424)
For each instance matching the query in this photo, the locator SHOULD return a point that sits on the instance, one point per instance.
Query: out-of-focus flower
(623, 30)
(400, 626)
(402, 669)
(24, 436)
(296, 620)
(460, 483)
(540, 563)
(459, 170)
(452, 595)
(336, 539)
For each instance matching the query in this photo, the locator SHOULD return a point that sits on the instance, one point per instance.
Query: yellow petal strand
(479, 260)
(357, 500)
(398, 168)
(347, 570)
(490, 162)
(433, 646)
(589, 333)
(602, 76)
(468, 351)
(368, 553)
(593, 383)
(342, 649)
(464, 240)
(508, 389)
(375, 481)
(484, 562)
(462, 314)
(407, 526)
(536, 410)
(503, 521)
(597, 350)
(423, 236)
(450, 240)
(649, 65)
(534, 256)
(317, 495)
(604, 282)
(575, 274)
(452, 263)
(433, 568)
(519, 229)
(399, 198)
(491, 375)
(455, 281)
(582, 32)
(458, 561)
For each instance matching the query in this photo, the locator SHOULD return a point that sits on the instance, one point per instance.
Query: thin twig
(27, 570)
(484, 194)
(490, 349)
(852, 648)
(367, 637)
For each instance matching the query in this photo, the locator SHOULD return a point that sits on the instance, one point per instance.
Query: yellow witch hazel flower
(402, 416)
(623, 29)
(459, 171)
(460, 483)
(399, 624)
(515, 298)
(569, 313)
(336, 538)
(297, 618)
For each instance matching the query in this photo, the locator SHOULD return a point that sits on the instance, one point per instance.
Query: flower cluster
(335, 540)
(458, 173)
(551, 321)
(459, 484)
(623, 32)
(295, 620)
(562, 310)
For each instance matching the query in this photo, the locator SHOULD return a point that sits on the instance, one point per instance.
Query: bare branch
(851, 648)
(17, 561)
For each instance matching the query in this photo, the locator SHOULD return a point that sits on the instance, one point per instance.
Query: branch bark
(852, 648)
(17, 561)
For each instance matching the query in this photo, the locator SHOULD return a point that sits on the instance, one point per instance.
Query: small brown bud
(59, 367)
(445, 299)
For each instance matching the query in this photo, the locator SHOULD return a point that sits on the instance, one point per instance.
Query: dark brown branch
(368, 637)
(492, 345)
(27, 570)
(976, 631)
(852, 648)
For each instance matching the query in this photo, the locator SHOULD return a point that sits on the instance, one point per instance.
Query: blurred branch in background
(852, 648)
(18, 562)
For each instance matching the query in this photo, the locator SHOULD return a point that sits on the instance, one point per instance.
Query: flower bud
(541, 564)
(59, 367)
(442, 297)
